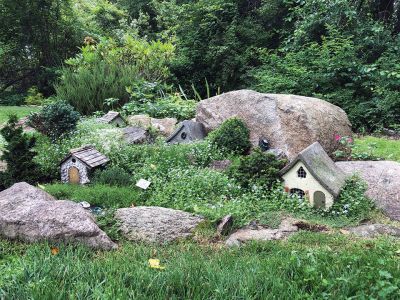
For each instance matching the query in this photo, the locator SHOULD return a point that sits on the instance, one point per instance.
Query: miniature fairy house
(113, 117)
(187, 132)
(314, 176)
(80, 163)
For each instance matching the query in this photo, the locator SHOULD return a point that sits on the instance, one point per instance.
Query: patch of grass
(20, 111)
(308, 265)
(380, 147)
(99, 194)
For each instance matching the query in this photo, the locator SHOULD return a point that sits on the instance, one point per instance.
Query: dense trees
(345, 51)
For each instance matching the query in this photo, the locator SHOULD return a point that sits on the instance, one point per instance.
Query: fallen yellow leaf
(155, 264)
(55, 250)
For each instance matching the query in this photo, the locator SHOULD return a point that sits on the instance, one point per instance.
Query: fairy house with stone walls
(314, 176)
(77, 166)
(187, 132)
(113, 117)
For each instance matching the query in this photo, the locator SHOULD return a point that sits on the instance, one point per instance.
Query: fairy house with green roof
(314, 176)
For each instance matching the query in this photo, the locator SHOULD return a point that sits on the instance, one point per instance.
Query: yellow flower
(155, 264)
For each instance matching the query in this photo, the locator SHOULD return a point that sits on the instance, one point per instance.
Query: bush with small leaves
(232, 136)
(259, 168)
(113, 176)
(55, 120)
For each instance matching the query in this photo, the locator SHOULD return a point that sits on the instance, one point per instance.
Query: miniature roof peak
(321, 167)
(109, 117)
(88, 155)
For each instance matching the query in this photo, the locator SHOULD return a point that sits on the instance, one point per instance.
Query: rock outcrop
(375, 230)
(289, 123)
(156, 224)
(166, 126)
(32, 215)
(383, 178)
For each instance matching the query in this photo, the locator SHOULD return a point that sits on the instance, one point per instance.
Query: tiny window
(300, 193)
(301, 173)
(74, 160)
(183, 135)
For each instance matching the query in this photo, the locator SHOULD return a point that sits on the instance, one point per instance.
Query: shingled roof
(109, 117)
(321, 166)
(89, 156)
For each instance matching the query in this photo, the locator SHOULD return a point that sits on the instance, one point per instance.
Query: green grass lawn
(20, 111)
(381, 147)
(307, 266)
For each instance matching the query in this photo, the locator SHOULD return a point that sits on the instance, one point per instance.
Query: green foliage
(18, 155)
(114, 176)
(107, 70)
(35, 38)
(340, 53)
(381, 147)
(352, 201)
(156, 101)
(308, 265)
(55, 120)
(34, 97)
(258, 168)
(232, 136)
(105, 196)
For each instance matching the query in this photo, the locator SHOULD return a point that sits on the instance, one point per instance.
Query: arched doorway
(73, 175)
(319, 200)
(300, 193)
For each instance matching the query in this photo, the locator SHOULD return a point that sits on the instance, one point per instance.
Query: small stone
(143, 184)
(374, 230)
(85, 204)
(225, 225)
(220, 165)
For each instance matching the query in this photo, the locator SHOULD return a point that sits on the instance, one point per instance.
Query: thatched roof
(321, 166)
(109, 117)
(88, 155)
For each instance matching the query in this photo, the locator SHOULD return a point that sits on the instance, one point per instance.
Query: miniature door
(73, 175)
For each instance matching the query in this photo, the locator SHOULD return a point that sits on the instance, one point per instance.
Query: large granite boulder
(383, 178)
(156, 224)
(289, 123)
(32, 215)
(375, 230)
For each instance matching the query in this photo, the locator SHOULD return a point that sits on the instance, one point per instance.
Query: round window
(183, 135)
(74, 160)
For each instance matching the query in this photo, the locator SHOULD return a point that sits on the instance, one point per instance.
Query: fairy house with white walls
(77, 166)
(113, 117)
(314, 176)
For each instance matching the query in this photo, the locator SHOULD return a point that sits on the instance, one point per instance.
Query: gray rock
(166, 126)
(383, 178)
(290, 123)
(374, 230)
(135, 135)
(225, 225)
(32, 215)
(279, 154)
(156, 224)
(187, 132)
(220, 165)
(258, 233)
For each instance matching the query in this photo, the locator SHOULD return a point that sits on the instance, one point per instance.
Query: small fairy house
(80, 163)
(113, 117)
(187, 132)
(314, 176)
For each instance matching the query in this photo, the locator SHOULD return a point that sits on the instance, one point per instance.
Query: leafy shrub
(114, 176)
(258, 168)
(18, 155)
(105, 70)
(352, 201)
(348, 150)
(34, 97)
(232, 136)
(55, 120)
